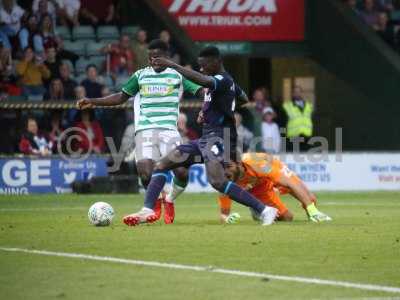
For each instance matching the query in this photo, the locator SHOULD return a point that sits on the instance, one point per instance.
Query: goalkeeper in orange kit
(266, 177)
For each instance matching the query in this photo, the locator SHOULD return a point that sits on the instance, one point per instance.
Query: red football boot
(169, 212)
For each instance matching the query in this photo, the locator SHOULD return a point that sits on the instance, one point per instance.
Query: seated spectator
(369, 13)
(244, 135)
(91, 85)
(71, 117)
(47, 33)
(186, 132)
(56, 130)
(33, 142)
(10, 19)
(42, 8)
(29, 35)
(121, 57)
(33, 73)
(69, 12)
(55, 91)
(271, 137)
(260, 99)
(52, 62)
(5, 63)
(91, 135)
(69, 84)
(96, 12)
(65, 54)
(165, 36)
(140, 49)
(384, 30)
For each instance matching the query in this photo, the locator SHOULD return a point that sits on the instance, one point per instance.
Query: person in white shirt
(244, 135)
(10, 21)
(69, 12)
(270, 132)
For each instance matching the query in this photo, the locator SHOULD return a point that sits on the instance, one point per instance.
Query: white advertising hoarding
(344, 172)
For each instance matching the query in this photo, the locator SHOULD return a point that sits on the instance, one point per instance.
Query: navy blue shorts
(211, 146)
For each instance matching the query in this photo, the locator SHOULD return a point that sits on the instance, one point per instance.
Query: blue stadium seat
(98, 61)
(63, 32)
(83, 33)
(81, 65)
(93, 49)
(130, 30)
(78, 47)
(107, 32)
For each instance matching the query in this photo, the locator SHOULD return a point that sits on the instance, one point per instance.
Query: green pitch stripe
(164, 104)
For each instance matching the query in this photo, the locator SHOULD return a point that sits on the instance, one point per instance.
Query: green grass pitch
(361, 245)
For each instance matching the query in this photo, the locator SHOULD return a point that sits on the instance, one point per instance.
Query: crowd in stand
(383, 16)
(50, 51)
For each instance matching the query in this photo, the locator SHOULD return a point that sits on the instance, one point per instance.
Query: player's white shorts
(155, 143)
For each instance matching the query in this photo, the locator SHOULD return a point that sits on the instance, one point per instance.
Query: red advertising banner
(240, 20)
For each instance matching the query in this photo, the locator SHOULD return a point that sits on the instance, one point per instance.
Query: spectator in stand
(384, 30)
(29, 35)
(69, 12)
(122, 57)
(33, 73)
(271, 137)
(52, 62)
(42, 8)
(10, 21)
(33, 142)
(140, 49)
(186, 132)
(5, 63)
(91, 135)
(165, 36)
(71, 115)
(55, 91)
(369, 13)
(299, 127)
(95, 12)
(69, 84)
(244, 135)
(56, 130)
(260, 100)
(91, 85)
(47, 33)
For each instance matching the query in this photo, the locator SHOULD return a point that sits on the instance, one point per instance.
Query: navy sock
(154, 188)
(238, 194)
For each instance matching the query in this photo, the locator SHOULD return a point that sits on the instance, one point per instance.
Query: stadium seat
(93, 49)
(80, 78)
(64, 32)
(98, 61)
(130, 30)
(107, 32)
(111, 41)
(78, 47)
(395, 15)
(108, 82)
(83, 33)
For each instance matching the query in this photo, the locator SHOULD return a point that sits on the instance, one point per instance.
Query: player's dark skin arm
(111, 100)
(196, 77)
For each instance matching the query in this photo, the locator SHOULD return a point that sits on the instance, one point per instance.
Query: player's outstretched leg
(145, 170)
(179, 183)
(146, 215)
(218, 180)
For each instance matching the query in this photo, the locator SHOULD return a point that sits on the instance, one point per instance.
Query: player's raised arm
(196, 77)
(130, 88)
(111, 100)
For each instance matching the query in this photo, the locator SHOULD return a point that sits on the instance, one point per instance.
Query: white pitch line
(360, 286)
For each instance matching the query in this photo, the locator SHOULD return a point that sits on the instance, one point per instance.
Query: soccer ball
(101, 214)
